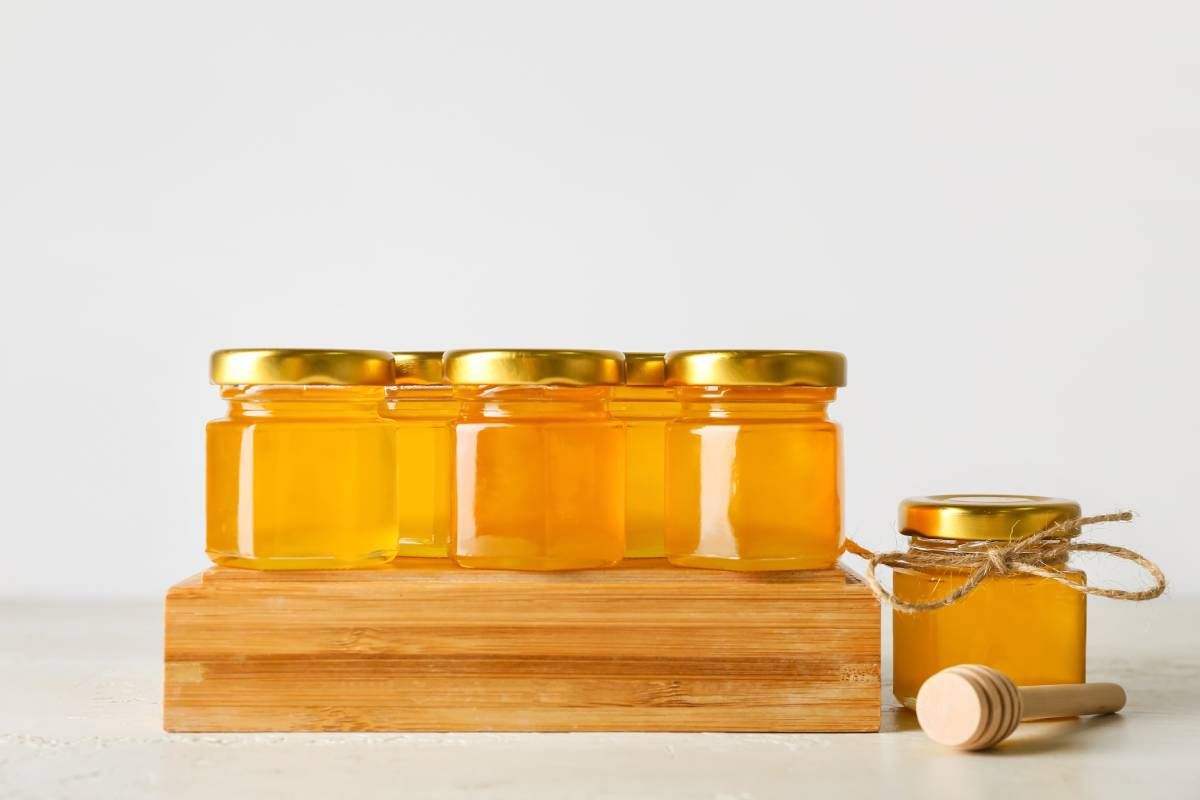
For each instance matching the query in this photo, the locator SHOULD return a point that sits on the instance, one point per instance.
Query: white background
(991, 208)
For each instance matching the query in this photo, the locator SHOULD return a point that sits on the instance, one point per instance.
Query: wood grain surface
(421, 645)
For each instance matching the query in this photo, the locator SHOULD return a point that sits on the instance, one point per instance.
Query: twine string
(1027, 556)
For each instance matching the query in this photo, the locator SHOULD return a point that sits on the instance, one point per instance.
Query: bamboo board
(421, 645)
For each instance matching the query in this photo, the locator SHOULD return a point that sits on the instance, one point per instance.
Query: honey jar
(753, 460)
(645, 405)
(301, 472)
(1029, 627)
(422, 405)
(539, 472)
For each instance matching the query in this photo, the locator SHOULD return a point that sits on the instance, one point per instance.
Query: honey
(423, 406)
(539, 469)
(301, 473)
(645, 405)
(1030, 628)
(753, 478)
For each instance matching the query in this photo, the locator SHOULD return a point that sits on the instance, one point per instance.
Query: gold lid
(295, 367)
(423, 367)
(645, 369)
(524, 367)
(983, 517)
(755, 368)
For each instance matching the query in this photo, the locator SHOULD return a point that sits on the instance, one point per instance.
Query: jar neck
(303, 401)
(533, 402)
(644, 402)
(921, 544)
(420, 402)
(419, 392)
(750, 402)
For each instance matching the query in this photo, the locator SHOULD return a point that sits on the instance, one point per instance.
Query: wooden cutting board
(422, 645)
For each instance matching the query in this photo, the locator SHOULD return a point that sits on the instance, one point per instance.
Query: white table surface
(80, 685)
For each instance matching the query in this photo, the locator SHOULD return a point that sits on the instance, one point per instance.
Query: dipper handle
(1070, 700)
(973, 707)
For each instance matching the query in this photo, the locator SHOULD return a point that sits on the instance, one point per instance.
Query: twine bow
(1028, 556)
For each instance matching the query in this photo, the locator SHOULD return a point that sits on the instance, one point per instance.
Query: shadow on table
(1036, 736)
(1056, 735)
(896, 718)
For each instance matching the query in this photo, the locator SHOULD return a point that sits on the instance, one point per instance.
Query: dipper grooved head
(969, 707)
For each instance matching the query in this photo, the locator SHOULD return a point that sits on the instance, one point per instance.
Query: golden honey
(539, 470)
(645, 406)
(423, 406)
(301, 472)
(1030, 628)
(753, 474)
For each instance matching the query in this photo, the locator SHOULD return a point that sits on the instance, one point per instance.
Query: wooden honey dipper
(973, 707)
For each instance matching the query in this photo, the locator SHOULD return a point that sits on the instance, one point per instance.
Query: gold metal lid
(755, 368)
(297, 367)
(645, 369)
(983, 517)
(423, 368)
(525, 367)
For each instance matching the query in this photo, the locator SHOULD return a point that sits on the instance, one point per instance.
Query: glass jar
(539, 460)
(302, 470)
(753, 461)
(1030, 628)
(422, 405)
(645, 405)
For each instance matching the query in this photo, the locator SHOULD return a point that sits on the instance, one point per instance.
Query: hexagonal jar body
(423, 408)
(1030, 628)
(753, 460)
(301, 471)
(539, 464)
(645, 406)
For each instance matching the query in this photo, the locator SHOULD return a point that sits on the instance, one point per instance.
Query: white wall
(991, 208)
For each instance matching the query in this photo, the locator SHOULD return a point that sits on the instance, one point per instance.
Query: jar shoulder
(234, 423)
(940, 573)
(685, 422)
(598, 424)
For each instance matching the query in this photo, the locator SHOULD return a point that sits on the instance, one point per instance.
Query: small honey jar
(753, 460)
(302, 471)
(1029, 627)
(539, 470)
(645, 405)
(422, 405)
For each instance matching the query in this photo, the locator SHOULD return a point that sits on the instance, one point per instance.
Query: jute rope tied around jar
(1028, 556)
